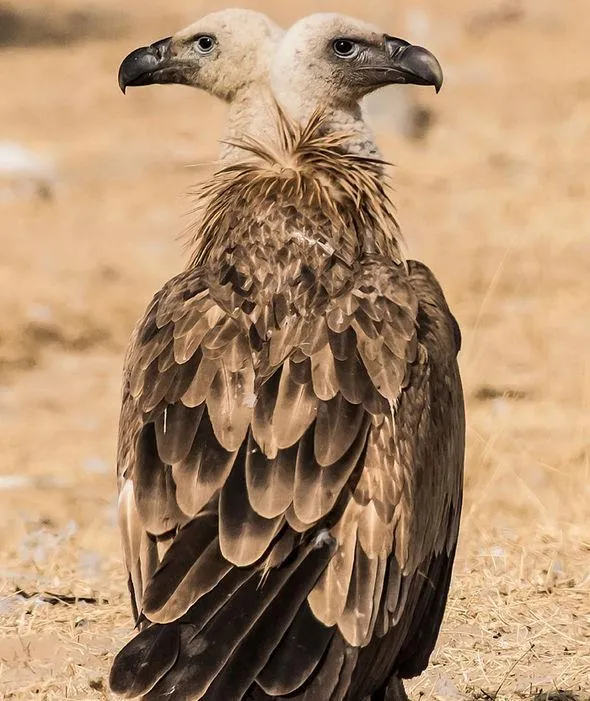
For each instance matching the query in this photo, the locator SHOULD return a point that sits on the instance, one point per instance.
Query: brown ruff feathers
(307, 165)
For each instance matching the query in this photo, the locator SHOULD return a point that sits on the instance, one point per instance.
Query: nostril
(395, 46)
(161, 47)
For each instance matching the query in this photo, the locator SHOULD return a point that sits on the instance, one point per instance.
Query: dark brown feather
(334, 669)
(267, 633)
(296, 656)
(145, 660)
(191, 567)
(318, 487)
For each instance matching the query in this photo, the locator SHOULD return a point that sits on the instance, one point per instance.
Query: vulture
(291, 439)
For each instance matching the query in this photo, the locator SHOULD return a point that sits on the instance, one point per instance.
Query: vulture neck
(346, 118)
(351, 120)
(251, 112)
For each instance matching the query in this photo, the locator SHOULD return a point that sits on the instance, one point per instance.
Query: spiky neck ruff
(307, 195)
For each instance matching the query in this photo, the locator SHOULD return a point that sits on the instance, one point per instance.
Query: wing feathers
(188, 335)
(262, 424)
(199, 387)
(317, 488)
(131, 531)
(295, 409)
(355, 622)
(328, 598)
(323, 372)
(244, 536)
(175, 429)
(191, 566)
(270, 482)
(256, 648)
(155, 491)
(258, 407)
(352, 378)
(333, 678)
(204, 470)
(337, 425)
(229, 405)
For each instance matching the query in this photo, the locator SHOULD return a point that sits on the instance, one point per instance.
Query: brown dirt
(495, 199)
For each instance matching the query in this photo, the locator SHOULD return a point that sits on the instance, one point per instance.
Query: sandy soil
(494, 199)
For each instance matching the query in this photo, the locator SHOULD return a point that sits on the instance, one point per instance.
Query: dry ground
(495, 199)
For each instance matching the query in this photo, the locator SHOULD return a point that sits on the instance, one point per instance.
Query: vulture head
(335, 60)
(223, 53)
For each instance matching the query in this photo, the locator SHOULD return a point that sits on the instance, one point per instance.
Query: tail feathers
(332, 680)
(256, 648)
(222, 661)
(216, 650)
(144, 660)
(149, 656)
(306, 641)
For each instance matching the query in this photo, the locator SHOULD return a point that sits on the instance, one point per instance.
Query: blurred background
(492, 184)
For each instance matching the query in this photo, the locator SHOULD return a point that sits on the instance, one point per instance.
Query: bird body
(292, 431)
(291, 442)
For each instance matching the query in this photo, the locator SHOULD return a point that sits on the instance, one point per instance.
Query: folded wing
(290, 477)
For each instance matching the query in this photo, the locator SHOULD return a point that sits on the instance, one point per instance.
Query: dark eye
(344, 47)
(205, 43)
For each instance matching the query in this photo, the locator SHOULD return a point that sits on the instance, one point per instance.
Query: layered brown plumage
(291, 443)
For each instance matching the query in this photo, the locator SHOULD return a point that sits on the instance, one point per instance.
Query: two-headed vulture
(292, 429)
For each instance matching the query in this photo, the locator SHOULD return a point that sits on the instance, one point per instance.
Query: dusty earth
(494, 198)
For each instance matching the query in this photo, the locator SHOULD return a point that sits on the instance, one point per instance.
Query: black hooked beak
(148, 65)
(413, 64)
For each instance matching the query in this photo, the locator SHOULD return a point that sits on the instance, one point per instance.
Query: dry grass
(495, 200)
